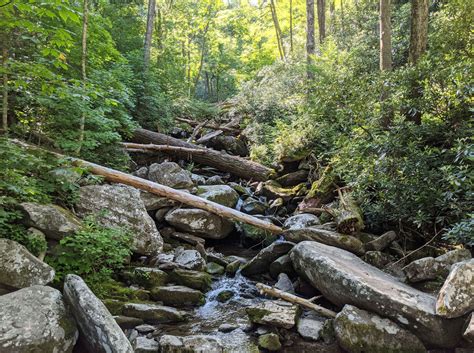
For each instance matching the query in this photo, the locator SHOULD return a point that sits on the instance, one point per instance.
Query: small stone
(269, 341)
(282, 265)
(141, 173)
(310, 326)
(233, 267)
(144, 329)
(177, 296)
(198, 179)
(170, 174)
(126, 322)
(253, 206)
(381, 242)
(302, 220)
(153, 313)
(227, 328)
(221, 194)
(161, 214)
(274, 313)
(214, 269)
(225, 295)
(190, 260)
(145, 345)
(214, 180)
(284, 283)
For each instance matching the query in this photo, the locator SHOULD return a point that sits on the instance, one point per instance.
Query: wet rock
(189, 259)
(192, 279)
(141, 173)
(221, 194)
(214, 269)
(302, 220)
(282, 265)
(97, 326)
(34, 319)
(284, 283)
(177, 296)
(145, 328)
(198, 179)
(147, 277)
(261, 262)
(468, 332)
(253, 235)
(170, 174)
(153, 313)
(269, 341)
(145, 345)
(324, 236)
(310, 326)
(216, 257)
(201, 222)
(227, 328)
(121, 206)
(154, 202)
(381, 242)
(456, 297)
(19, 268)
(190, 344)
(126, 322)
(54, 221)
(359, 331)
(225, 295)
(343, 278)
(253, 206)
(273, 313)
(214, 180)
(161, 214)
(233, 267)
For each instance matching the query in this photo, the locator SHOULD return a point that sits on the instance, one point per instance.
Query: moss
(224, 296)
(256, 314)
(269, 341)
(192, 279)
(214, 269)
(116, 290)
(114, 306)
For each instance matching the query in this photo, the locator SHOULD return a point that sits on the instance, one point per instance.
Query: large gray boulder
(221, 194)
(274, 313)
(54, 221)
(170, 174)
(201, 222)
(189, 259)
(343, 278)
(19, 268)
(260, 263)
(359, 331)
(35, 320)
(100, 331)
(121, 206)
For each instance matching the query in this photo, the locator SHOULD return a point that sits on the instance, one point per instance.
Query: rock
(123, 208)
(456, 297)
(170, 174)
(198, 179)
(302, 220)
(145, 345)
(253, 206)
(261, 262)
(381, 242)
(343, 278)
(97, 326)
(274, 313)
(201, 222)
(359, 331)
(233, 267)
(273, 190)
(214, 269)
(229, 144)
(324, 236)
(147, 277)
(378, 259)
(154, 202)
(227, 328)
(225, 295)
(284, 283)
(216, 257)
(214, 180)
(126, 322)
(468, 332)
(35, 320)
(19, 268)
(221, 194)
(141, 173)
(54, 221)
(177, 296)
(192, 279)
(310, 326)
(269, 341)
(145, 328)
(153, 313)
(282, 265)
(187, 238)
(190, 260)
(190, 344)
(242, 190)
(256, 235)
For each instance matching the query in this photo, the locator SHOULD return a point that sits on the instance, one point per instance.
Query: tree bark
(85, 23)
(150, 19)
(276, 24)
(291, 26)
(332, 16)
(385, 36)
(419, 30)
(310, 44)
(321, 4)
(210, 126)
(222, 161)
(5, 90)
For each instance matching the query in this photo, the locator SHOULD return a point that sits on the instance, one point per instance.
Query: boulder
(54, 221)
(456, 297)
(153, 313)
(189, 259)
(231, 144)
(324, 236)
(177, 296)
(127, 322)
(154, 202)
(310, 326)
(100, 331)
(121, 206)
(214, 269)
(19, 268)
(214, 180)
(192, 279)
(273, 313)
(261, 262)
(269, 341)
(145, 345)
(147, 277)
(170, 174)
(198, 179)
(34, 320)
(284, 283)
(359, 331)
(201, 222)
(302, 220)
(221, 194)
(141, 172)
(343, 278)
(253, 206)
(468, 332)
(190, 344)
(380, 243)
(282, 265)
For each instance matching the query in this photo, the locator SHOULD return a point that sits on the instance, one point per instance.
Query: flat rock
(153, 313)
(147, 277)
(170, 174)
(302, 220)
(145, 345)
(343, 278)
(201, 222)
(121, 206)
(261, 262)
(273, 313)
(177, 295)
(54, 221)
(189, 260)
(456, 297)
(35, 320)
(100, 331)
(126, 322)
(324, 236)
(190, 344)
(310, 326)
(192, 279)
(221, 194)
(19, 268)
(359, 331)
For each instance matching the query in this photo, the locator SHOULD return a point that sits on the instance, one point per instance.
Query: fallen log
(264, 289)
(116, 176)
(161, 148)
(210, 126)
(233, 164)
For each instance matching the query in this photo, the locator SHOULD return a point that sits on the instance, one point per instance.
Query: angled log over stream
(225, 162)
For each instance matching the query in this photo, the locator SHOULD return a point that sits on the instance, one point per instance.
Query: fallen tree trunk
(210, 126)
(192, 200)
(162, 148)
(235, 165)
(294, 299)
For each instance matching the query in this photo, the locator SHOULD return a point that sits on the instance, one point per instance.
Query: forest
(188, 163)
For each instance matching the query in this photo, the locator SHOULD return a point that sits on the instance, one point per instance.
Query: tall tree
(150, 19)
(276, 24)
(385, 36)
(419, 30)
(291, 26)
(310, 44)
(321, 4)
(5, 89)
(85, 23)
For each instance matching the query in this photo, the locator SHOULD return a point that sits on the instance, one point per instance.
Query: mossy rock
(233, 267)
(146, 276)
(116, 290)
(192, 279)
(114, 306)
(269, 341)
(214, 269)
(178, 296)
(224, 296)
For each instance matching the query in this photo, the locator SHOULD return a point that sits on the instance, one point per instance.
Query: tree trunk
(85, 22)
(203, 54)
(5, 90)
(235, 165)
(276, 24)
(210, 126)
(322, 20)
(419, 30)
(332, 16)
(291, 26)
(385, 36)
(309, 35)
(150, 19)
